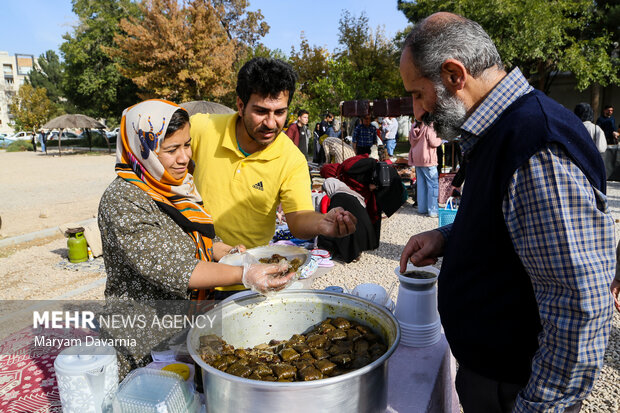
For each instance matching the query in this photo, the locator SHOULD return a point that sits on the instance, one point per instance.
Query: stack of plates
(412, 335)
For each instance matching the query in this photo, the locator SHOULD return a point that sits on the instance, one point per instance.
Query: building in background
(14, 71)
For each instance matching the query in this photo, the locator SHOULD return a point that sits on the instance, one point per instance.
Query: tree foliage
(48, 75)
(92, 80)
(373, 58)
(31, 108)
(365, 66)
(242, 26)
(310, 63)
(177, 52)
(540, 36)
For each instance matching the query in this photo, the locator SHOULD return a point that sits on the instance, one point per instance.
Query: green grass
(402, 147)
(20, 146)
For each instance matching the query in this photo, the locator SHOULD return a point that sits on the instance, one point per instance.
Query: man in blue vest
(523, 291)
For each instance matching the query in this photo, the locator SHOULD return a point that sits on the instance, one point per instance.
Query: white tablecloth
(421, 380)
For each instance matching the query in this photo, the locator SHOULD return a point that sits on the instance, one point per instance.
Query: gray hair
(438, 38)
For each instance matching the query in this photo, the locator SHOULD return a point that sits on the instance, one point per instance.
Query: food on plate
(332, 347)
(293, 265)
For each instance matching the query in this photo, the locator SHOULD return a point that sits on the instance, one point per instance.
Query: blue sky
(34, 26)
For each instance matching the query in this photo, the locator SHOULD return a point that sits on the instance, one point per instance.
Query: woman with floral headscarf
(157, 237)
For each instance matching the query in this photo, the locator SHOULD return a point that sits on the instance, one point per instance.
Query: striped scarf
(143, 129)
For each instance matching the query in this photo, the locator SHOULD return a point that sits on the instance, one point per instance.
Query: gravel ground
(378, 266)
(70, 186)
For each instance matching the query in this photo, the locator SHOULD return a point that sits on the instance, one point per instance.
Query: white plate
(288, 251)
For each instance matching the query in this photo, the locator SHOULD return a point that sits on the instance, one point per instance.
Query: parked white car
(26, 136)
(113, 133)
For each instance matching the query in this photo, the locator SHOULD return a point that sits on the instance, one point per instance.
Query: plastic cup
(371, 292)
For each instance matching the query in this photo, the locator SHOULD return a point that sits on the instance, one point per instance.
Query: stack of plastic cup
(416, 306)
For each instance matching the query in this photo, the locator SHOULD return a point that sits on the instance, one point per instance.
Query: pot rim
(302, 384)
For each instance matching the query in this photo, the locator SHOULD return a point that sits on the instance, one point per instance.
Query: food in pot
(293, 265)
(332, 347)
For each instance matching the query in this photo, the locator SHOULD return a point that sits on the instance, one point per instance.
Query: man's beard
(449, 114)
(262, 129)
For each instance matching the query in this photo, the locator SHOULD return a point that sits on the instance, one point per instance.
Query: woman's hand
(239, 248)
(220, 249)
(264, 278)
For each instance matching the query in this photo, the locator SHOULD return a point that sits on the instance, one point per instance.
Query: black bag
(382, 175)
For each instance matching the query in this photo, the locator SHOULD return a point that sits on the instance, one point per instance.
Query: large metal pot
(254, 319)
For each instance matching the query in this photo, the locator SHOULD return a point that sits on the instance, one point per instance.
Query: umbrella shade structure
(75, 121)
(203, 106)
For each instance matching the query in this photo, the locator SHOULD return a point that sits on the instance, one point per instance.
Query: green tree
(92, 80)
(365, 66)
(373, 57)
(31, 108)
(542, 37)
(48, 74)
(607, 20)
(310, 63)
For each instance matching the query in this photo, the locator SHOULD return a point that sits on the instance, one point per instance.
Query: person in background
(423, 155)
(359, 175)
(34, 141)
(337, 149)
(334, 130)
(607, 122)
(318, 156)
(375, 122)
(43, 141)
(365, 237)
(523, 291)
(389, 127)
(585, 113)
(364, 136)
(157, 237)
(325, 123)
(246, 166)
(299, 133)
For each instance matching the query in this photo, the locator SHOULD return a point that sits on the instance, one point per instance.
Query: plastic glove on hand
(265, 278)
(237, 249)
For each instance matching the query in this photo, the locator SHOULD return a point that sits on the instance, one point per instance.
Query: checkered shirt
(364, 136)
(563, 232)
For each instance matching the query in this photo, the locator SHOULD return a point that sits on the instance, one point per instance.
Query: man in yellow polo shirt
(246, 166)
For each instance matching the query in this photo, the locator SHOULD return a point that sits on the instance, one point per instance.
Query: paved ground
(39, 191)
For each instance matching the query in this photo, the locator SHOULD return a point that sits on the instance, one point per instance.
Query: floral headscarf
(143, 129)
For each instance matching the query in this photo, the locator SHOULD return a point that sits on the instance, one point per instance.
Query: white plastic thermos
(85, 374)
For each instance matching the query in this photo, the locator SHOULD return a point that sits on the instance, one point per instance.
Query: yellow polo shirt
(242, 193)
